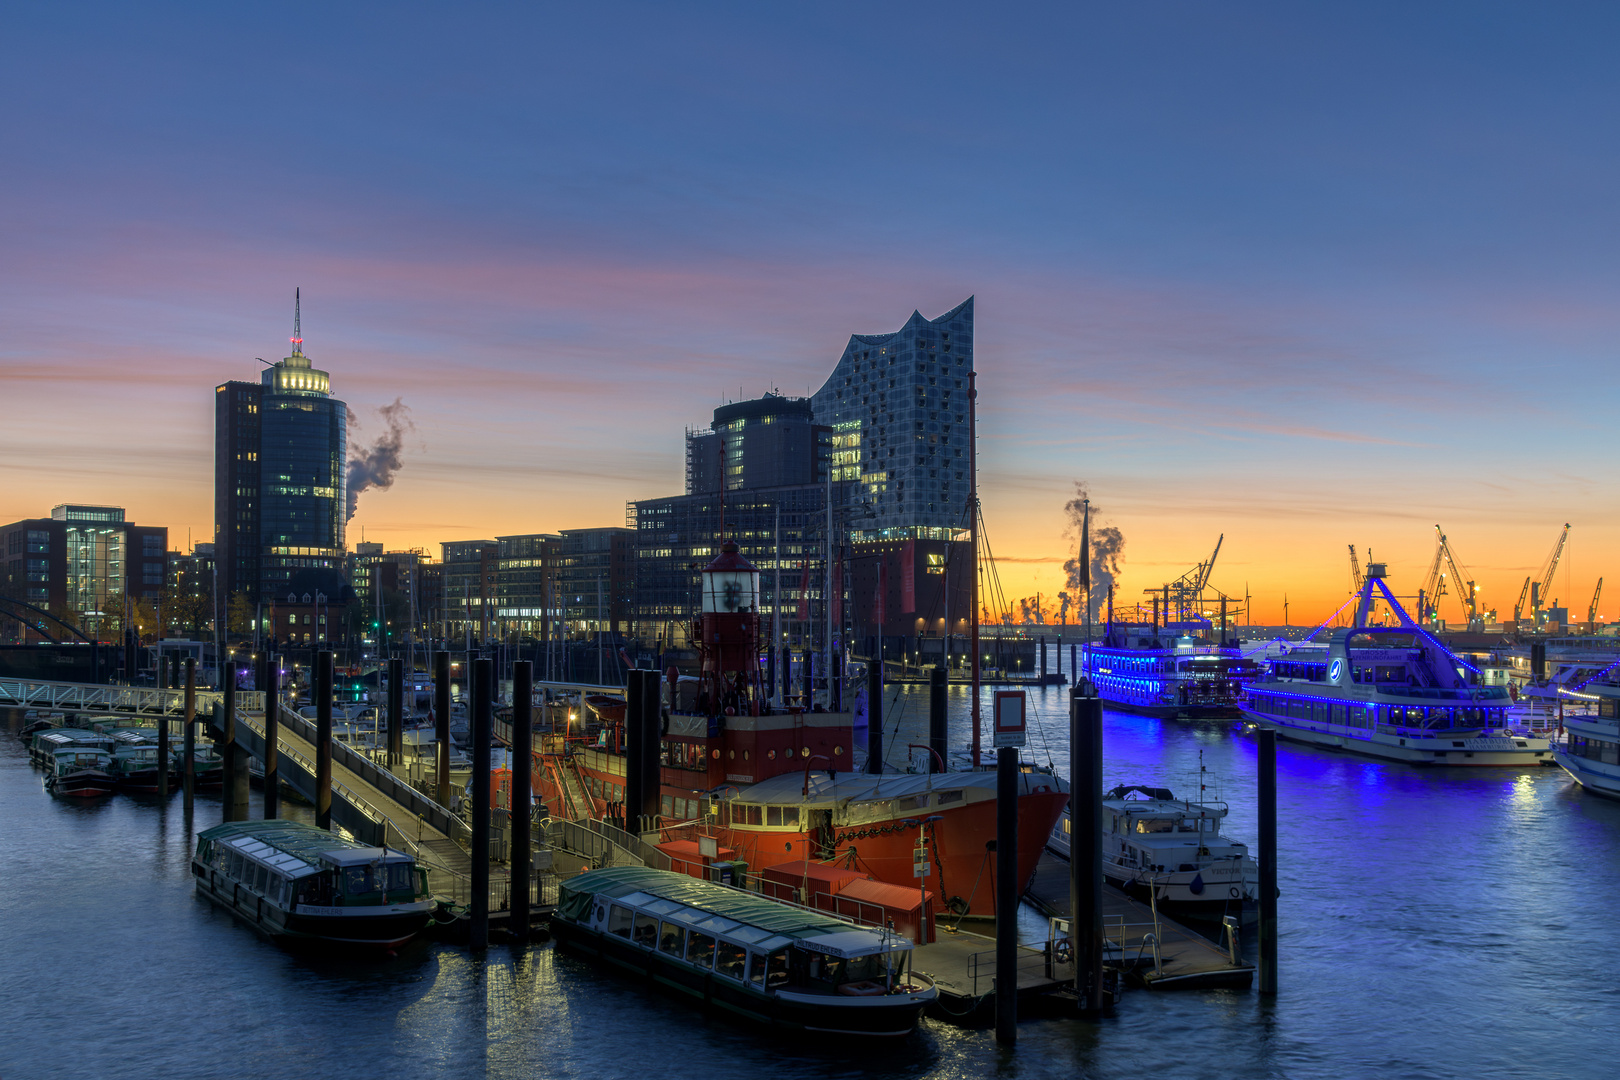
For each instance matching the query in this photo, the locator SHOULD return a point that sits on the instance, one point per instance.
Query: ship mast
(973, 537)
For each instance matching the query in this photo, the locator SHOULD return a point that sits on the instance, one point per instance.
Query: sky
(1299, 275)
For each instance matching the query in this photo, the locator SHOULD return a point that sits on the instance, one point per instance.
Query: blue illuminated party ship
(1392, 692)
(1187, 669)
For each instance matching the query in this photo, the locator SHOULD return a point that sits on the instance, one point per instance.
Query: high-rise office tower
(279, 484)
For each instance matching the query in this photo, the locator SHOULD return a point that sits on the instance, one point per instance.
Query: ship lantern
(730, 584)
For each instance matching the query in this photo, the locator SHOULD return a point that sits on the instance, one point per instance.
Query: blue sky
(1303, 274)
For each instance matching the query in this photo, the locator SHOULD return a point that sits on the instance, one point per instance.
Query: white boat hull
(1499, 751)
(1598, 777)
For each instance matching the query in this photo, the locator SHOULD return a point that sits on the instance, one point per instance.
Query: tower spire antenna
(298, 322)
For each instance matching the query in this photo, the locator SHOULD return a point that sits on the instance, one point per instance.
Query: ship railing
(982, 968)
(338, 788)
(600, 843)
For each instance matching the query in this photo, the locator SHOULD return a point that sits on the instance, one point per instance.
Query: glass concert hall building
(280, 499)
(878, 456)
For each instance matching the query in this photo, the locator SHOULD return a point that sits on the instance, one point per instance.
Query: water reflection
(1434, 923)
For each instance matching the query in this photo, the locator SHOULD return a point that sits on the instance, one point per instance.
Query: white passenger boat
(1189, 670)
(1158, 847)
(1591, 752)
(1391, 692)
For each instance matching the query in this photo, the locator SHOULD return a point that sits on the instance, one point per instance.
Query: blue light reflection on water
(1435, 923)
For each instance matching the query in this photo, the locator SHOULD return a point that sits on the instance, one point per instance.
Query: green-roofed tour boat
(762, 960)
(295, 882)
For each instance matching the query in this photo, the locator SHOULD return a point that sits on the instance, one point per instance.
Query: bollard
(164, 761)
(441, 723)
(874, 716)
(482, 687)
(522, 780)
(1268, 860)
(937, 738)
(638, 800)
(1085, 846)
(1007, 895)
(396, 711)
(227, 727)
(323, 739)
(270, 681)
(188, 742)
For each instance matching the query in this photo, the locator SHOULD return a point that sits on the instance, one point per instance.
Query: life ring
(1233, 891)
(1062, 951)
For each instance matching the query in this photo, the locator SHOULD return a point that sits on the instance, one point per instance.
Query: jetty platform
(1156, 952)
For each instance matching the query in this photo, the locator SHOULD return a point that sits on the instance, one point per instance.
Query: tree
(239, 616)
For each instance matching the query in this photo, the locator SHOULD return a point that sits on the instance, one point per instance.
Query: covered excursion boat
(762, 960)
(296, 882)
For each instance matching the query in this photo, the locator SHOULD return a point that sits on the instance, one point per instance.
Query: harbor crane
(1461, 581)
(1355, 571)
(1591, 612)
(1540, 589)
(1184, 597)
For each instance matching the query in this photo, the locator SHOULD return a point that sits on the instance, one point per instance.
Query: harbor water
(1434, 923)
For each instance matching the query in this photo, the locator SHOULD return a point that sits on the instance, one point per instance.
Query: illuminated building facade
(280, 503)
(81, 564)
(897, 406)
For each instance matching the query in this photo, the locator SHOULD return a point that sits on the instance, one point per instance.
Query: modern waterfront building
(880, 456)
(528, 597)
(80, 564)
(773, 441)
(280, 499)
(471, 573)
(898, 406)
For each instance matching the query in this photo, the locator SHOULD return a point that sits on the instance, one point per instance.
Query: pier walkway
(1160, 953)
(135, 701)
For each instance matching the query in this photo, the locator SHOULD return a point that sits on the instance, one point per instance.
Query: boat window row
(267, 881)
(1609, 707)
(754, 814)
(1367, 716)
(602, 789)
(1600, 750)
(728, 958)
(1188, 824)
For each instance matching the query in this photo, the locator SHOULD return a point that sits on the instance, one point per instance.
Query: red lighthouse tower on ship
(728, 630)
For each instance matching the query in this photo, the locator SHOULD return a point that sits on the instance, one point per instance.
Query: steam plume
(375, 467)
(1107, 552)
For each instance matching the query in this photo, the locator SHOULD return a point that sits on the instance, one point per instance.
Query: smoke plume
(375, 466)
(1107, 552)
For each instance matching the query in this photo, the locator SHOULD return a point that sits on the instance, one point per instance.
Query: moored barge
(761, 960)
(294, 882)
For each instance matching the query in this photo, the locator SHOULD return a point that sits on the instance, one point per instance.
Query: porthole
(805, 752)
(838, 751)
(731, 755)
(745, 755)
(771, 754)
(715, 754)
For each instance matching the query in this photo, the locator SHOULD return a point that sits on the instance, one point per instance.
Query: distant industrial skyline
(1304, 278)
